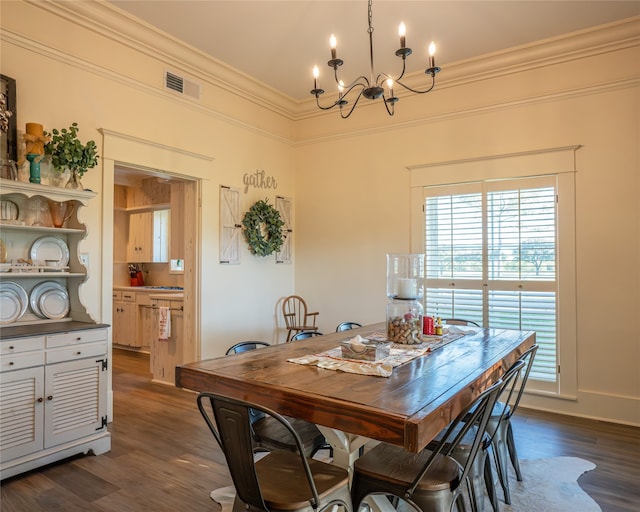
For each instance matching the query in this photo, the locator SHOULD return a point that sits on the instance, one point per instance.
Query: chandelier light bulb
(333, 44)
(316, 72)
(402, 32)
(432, 52)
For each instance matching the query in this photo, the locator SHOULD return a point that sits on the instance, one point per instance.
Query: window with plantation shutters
(491, 257)
(283, 205)
(230, 225)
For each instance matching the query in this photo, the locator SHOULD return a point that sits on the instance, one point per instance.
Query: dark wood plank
(407, 409)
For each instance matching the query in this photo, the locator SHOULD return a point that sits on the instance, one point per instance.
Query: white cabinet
(53, 397)
(148, 237)
(32, 242)
(53, 356)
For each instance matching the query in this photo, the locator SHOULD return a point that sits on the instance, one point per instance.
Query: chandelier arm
(361, 80)
(433, 83)
(393, 108)
(329, 107)
(342, 115)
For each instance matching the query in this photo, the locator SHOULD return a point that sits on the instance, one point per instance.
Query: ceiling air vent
(181, 85)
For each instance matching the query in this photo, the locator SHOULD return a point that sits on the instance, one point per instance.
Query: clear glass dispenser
(405, 287)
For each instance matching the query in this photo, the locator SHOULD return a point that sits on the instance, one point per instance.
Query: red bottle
(427, 325)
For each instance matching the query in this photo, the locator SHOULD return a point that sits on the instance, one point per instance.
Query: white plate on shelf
(54, 303)
(10, 289)
(39, 290)
(9, 307)
(50, 248)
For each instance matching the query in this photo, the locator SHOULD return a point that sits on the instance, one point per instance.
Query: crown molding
(117, 25)
(107, 20)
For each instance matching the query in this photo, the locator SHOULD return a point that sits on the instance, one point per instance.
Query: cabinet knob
(79, 338)
(40, 400)
(50, 397)
(10, 363)
(78, 353)
(12, 347)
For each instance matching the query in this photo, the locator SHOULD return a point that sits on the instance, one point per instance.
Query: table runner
(399, 354)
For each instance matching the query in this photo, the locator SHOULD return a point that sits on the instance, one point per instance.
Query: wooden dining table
(407, 409)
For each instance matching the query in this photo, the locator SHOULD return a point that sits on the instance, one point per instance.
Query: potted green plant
(67, 152)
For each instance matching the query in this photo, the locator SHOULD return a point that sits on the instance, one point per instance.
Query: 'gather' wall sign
(258, 180)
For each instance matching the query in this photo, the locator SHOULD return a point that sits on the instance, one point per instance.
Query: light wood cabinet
(125, 323)
(53, 396)
(148, 237)
(166, 354)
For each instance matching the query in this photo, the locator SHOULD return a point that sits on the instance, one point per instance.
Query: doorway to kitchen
(150, 255)
(127, 159)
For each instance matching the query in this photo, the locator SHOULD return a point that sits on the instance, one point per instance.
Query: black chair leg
(513, 454)
(490, 485)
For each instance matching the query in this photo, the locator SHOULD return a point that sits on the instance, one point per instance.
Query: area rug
(550, 485)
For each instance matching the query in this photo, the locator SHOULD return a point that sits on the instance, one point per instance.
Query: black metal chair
(346, 326)
(481, 468)
(245, 346)
(302, 335)
(268, 434)
(282, 480)
(459, 321)
(431, 480)
(500, 422)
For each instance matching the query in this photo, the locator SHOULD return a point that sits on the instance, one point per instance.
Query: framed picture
(8, 118)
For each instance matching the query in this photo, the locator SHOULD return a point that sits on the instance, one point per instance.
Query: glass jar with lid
(404, 321)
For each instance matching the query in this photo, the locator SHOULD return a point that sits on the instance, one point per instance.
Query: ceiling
(278, 42)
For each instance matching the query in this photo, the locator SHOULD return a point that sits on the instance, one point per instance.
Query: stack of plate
(13, 302)
(49, 300)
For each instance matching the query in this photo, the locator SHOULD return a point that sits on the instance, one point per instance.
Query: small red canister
(427, 325)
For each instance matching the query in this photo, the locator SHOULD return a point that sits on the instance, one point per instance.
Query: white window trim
(558, 161)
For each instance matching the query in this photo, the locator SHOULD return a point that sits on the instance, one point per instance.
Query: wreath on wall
(263, 229)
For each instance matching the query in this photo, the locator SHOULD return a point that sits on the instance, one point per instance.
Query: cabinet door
(148, 326)
(125, 322)
(75, 401)
(22, 412)
(140, 244)
(166, 354)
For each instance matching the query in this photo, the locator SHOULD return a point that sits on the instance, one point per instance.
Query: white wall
(352, 193)
(84, 77)
(349, 179)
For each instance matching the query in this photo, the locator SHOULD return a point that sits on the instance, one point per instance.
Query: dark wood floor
(164, 459)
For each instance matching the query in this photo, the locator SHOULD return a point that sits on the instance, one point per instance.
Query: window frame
(557, 162)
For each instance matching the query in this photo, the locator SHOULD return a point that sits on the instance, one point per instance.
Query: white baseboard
(597, 406)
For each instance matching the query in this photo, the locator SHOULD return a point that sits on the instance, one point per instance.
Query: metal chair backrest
(229, 423)
(475, 415)
(304, 335)
(459, 321)
(245, 346)
(515, 393)
(346, 326)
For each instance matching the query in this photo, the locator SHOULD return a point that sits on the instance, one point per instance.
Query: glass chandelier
(368, 87)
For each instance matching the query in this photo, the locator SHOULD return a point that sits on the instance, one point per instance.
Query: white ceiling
(277, 42)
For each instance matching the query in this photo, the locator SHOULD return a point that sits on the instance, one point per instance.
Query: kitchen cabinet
(148, 237)
(53, 395)
(167, 353)
(125, 319)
